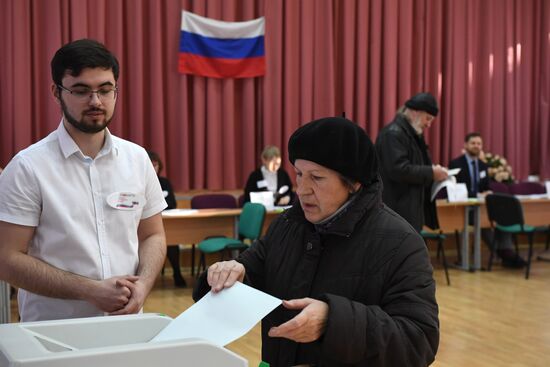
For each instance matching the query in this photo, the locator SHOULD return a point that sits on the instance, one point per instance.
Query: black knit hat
(338, 144)
(423, 102)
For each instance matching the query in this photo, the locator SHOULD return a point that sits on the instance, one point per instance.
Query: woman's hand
(308, 325)
(224, 274)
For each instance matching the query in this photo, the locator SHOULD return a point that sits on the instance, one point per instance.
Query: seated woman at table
(270, 177)
(355, 277)
(172, 251)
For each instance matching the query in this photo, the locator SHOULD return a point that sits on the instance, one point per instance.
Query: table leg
(477, 237)
(465, 245)
(4, 303)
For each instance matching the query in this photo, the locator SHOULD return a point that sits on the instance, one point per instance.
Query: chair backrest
(527, 188)
(211, 201)
(496, 186)
(251, 221)
(504, 209)
(240, 201)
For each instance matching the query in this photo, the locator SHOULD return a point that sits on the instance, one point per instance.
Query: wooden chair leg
(193, 259)
(458, 250)
(445, 266)
(493, 250)
(202, 263)
(515, 237)
(528, 267)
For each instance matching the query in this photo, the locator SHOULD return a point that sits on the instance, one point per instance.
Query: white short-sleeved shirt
(86, 212)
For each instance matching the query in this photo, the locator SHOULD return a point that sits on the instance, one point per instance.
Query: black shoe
(544, 256)
(511, 260)
(179, 281)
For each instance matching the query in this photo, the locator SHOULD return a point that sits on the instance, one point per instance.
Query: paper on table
(438, 185)
(221, 317)
(281, 208)
(263, 197)
(532, 196)
(457, 192)
(178, 212)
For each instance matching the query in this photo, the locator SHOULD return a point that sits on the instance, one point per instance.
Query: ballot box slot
(89, 335)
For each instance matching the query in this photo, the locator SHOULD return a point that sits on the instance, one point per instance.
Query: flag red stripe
(221, 68)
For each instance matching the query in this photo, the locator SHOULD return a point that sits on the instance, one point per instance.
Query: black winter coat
(372, 269)
(406, 170)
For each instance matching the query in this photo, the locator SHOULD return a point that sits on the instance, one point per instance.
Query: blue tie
(475, 178)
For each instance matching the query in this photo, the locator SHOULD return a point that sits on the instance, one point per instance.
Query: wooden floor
(487, 318)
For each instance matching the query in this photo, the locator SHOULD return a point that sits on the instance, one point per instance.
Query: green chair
(251, 222)
(440, 238)
(506, 215)
(210, 201)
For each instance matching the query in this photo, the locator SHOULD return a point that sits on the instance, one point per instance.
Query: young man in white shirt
(80, 210)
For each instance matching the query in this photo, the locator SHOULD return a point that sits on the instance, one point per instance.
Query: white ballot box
(106, 341)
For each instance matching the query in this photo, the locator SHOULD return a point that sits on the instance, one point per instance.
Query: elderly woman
(270, 177)
(355, 276)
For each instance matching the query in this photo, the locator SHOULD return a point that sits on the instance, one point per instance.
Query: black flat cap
(423, 102)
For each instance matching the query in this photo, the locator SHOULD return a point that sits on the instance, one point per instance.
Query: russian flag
(220, 49)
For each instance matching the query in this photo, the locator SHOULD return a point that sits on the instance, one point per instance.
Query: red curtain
(487, 61)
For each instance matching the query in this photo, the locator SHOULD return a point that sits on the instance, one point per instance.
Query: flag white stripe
(207, 27)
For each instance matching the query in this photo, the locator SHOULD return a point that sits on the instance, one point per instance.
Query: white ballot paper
(221, 318)
(438, 185)
(263, 197)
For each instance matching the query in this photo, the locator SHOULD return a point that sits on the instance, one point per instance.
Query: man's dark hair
(81, 54)
(472, 135)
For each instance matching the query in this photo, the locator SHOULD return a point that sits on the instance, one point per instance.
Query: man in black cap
(405, 165)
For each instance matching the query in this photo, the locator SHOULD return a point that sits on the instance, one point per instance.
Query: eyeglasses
(83, 93)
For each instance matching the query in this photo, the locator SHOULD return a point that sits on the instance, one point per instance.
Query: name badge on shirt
(482, 174)
(261, 184)
(125, 201)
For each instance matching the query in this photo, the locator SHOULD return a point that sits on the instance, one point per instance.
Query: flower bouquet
(499, 169)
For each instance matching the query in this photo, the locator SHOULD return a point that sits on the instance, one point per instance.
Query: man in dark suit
(474, 173)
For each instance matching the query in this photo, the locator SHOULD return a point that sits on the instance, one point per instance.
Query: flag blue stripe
(236, 48)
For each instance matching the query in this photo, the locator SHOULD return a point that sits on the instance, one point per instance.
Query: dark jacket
(166, 187)
(372, 269)
(282, 179)
(464, 175)
(406, 170)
